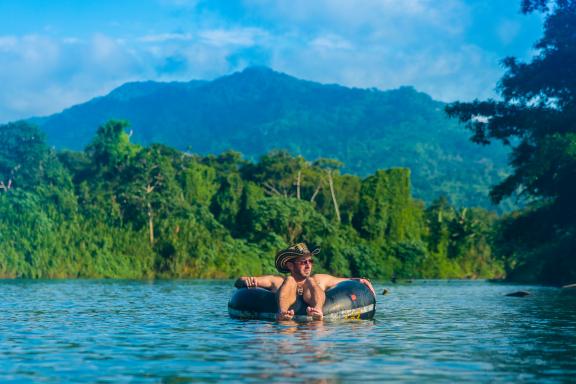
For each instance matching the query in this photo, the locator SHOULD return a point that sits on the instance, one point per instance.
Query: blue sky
(56, 53)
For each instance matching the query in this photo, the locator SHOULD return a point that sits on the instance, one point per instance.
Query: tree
(290, 220)
(386, 212)
(331, 167)
(536, 118)
(226, 201)
(439, 215)
(23, 152)
(111, 149)
(149, 187)
(199, 182)
(348, 187)
(278, 173)
(226, 162)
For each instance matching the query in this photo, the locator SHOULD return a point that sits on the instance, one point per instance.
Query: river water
(179, 331)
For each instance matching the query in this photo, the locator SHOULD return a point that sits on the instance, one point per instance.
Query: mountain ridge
(259, 109)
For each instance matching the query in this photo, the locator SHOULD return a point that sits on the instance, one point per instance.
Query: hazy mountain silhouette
(258, 109)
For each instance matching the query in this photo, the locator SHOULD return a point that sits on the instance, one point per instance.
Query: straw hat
(293, 252)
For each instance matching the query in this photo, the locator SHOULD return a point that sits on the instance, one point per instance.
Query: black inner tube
(348, 300)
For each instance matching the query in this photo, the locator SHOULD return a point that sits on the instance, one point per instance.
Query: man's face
(302, 266)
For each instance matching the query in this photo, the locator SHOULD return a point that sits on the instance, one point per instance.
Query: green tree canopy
(111, 148)
(537, 119)
(23, 153)
(386, 212)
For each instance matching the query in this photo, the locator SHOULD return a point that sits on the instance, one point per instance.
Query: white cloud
(228, 37)
(8, 42)
(446, 74)
(331, 42)
(163, 37)
(363, 43)
(43, 74)
(104, 48)
(362, 15)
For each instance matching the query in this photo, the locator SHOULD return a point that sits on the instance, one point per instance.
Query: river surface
(179, 331)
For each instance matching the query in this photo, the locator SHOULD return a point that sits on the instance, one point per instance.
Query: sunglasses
(304, 262)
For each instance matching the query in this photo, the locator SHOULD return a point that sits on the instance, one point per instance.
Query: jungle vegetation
(122, 210)
(536, 118)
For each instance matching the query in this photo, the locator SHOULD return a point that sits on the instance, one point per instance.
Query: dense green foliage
(118, 209)
(259, 110)
(537, 119)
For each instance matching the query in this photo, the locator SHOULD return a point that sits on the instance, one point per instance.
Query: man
(296, 260)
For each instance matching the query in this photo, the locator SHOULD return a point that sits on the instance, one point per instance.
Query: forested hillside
(258, 110)
(119, 209)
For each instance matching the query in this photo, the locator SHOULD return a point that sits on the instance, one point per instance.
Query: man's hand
(367, 283)
(285, 315)
(251, 282)
(246, 282)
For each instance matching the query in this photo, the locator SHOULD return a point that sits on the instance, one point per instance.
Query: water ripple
(179, 331)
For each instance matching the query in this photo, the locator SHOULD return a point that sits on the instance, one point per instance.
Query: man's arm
(327, 281)
(267, 282)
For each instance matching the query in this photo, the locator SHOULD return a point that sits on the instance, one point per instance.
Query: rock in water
(518, 294)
